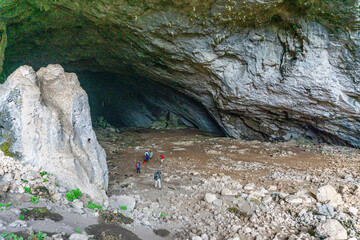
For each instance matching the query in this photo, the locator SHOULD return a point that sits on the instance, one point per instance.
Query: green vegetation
(5, 206)
(331, 13)
(34, 200)
(5, 147)
(21, 217)
(45, 180)
(40, 213)
(93, 206)
(256, 201)
(74, 194)
(11, 236)
(25, 181)
(112, 217)
(78, 230)
(43, 173)
(27, 190)
(38, 236)
(123, 208)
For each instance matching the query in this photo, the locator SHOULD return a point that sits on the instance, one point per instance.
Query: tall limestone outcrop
(45, 121)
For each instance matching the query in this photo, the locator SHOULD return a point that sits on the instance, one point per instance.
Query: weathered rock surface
(331, 229)
(116, 202)
(288, 77)
(209, 197)
(327, 194)
(45, 120)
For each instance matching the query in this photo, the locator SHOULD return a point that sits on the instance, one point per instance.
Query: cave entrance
(134, 101)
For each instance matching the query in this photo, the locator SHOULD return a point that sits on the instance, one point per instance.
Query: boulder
(326, 210)
(210, 197)
(117, 202)
(353, 211)
(57, 237)
(227, 192)
(249, 186)
(77, 236)
(331, 228)
(217, 202)
(77, 204)
(244, 208)
(196, 238)
(45, 122)
(328, 195)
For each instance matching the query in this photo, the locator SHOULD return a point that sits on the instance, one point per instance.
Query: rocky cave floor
(213, 188)
(222, 188)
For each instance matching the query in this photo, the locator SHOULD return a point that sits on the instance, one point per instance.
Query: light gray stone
(354, 211)
(328, 195)
(228, 192)
(117, 201)
(77, 204)
(210, 197)
(196, 238)
(245, 208)
(326, 210)
(48, 115)
(204, 236)
(77, 236)
(217, 202)
(57, 237)
(331, 228)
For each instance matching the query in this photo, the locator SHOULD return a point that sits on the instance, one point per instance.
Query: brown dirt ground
(193, 150)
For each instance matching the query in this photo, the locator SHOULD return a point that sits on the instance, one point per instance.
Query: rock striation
(262, 69)
(45, 121)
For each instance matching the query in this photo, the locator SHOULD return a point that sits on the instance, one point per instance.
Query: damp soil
(105, 231)
(40, 214)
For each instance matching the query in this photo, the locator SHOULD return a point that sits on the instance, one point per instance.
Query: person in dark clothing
(146, 157)
(157, 178)
(137, 168)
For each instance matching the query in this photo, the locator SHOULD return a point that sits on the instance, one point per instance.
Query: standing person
(151, 154)
(157, 178)
(137, 168)
(162, 158)
(146, 157)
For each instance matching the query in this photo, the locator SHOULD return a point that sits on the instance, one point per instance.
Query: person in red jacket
(162, 158)
(137, 168)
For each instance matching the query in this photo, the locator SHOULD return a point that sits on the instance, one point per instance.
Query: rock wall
(267, 70)
(45, 121)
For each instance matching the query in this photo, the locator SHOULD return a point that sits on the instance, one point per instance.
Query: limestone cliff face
(265, 70)
(45, 121)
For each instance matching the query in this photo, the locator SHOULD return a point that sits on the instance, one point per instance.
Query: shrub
(27, 190)
(123, 208)
(34, 200)
(93, 206)
(5, 147)
(74, 194)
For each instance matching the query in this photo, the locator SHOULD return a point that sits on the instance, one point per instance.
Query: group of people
(157, 175)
